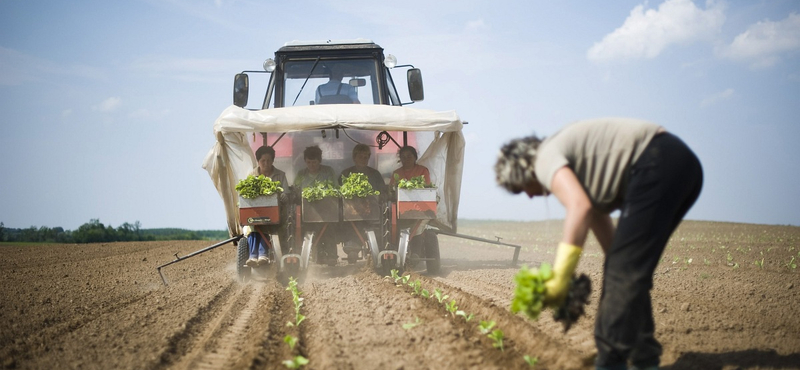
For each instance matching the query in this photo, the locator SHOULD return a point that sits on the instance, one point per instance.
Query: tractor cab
(329, 72)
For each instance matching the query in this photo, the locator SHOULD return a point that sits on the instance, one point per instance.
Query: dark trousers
(664, 183)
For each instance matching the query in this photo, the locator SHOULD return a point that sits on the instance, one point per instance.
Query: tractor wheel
(431, 240)
(242, 254)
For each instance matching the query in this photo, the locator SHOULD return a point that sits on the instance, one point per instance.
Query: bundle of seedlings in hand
(413, 183)
(252, 186)
(356, 185)
(529, 292)
(319, 190)
(577, 298)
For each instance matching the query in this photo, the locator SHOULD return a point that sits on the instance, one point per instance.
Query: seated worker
(336, 92)
(361, 154)
(315, 171)
(409, 167)
(265, 156)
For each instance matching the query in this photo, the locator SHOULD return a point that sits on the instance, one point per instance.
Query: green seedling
(529, 292)
(395, 275)
(791, 264)
(437, 293)
(405, 278)
(452, 307)
(531, 361)
(290, 340)
(497, 337)
(758, 263)
(466, 316)
(425, 294)
(416, 285)
(410, 325)
(296, 362)
(298, 302)
(486, 326)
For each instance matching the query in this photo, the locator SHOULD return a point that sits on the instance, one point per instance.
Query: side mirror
(241, 89)
(415, 90)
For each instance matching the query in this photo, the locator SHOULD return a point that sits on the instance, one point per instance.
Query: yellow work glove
(556, 288)
(246, 231)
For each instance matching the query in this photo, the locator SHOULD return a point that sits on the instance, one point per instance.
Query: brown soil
(103, 306)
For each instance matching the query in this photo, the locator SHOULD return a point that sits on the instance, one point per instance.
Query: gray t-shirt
(600, 152)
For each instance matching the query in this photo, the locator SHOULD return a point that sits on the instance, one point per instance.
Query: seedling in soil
(759, 263)
(425, 294)
(464, 315)
(290, 340)
(296, 362)
(497, 337)
(437, 293)
(410, 325)
(531, 361)
(298, 302)
(486, 326)
(791, 264)
(452, 307)
(416, 285)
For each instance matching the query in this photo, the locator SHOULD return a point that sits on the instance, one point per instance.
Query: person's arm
(566, 187)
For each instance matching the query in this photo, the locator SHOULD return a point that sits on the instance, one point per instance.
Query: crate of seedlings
(258, 200)
(321, 202)
(359, 199)
(416, 200)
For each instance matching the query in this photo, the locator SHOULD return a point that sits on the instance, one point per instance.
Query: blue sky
(107, 107)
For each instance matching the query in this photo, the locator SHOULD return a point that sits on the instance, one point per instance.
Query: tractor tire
(242, 254)
(431, 240)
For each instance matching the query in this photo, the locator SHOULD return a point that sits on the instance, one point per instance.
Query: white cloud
(108, 105)
(763, 43)
(66, 113)
(647, 33)
(723, 95)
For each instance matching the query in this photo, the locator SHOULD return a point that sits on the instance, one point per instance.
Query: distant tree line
(95, 232)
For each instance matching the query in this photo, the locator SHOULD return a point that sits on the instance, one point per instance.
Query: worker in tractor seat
(336, 92)
(595, 167)
(361, 155)
(409, 169)
(265, 157)
(316, 171)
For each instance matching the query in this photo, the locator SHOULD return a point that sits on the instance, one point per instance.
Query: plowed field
(726, 297)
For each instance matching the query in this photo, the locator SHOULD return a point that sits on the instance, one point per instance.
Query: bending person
(595, 167)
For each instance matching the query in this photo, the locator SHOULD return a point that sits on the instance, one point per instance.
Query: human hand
(556, 288)
(246, 230)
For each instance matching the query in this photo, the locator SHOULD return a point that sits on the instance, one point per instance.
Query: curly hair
(514, 167)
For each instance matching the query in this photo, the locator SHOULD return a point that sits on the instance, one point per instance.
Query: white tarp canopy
(232, 158)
